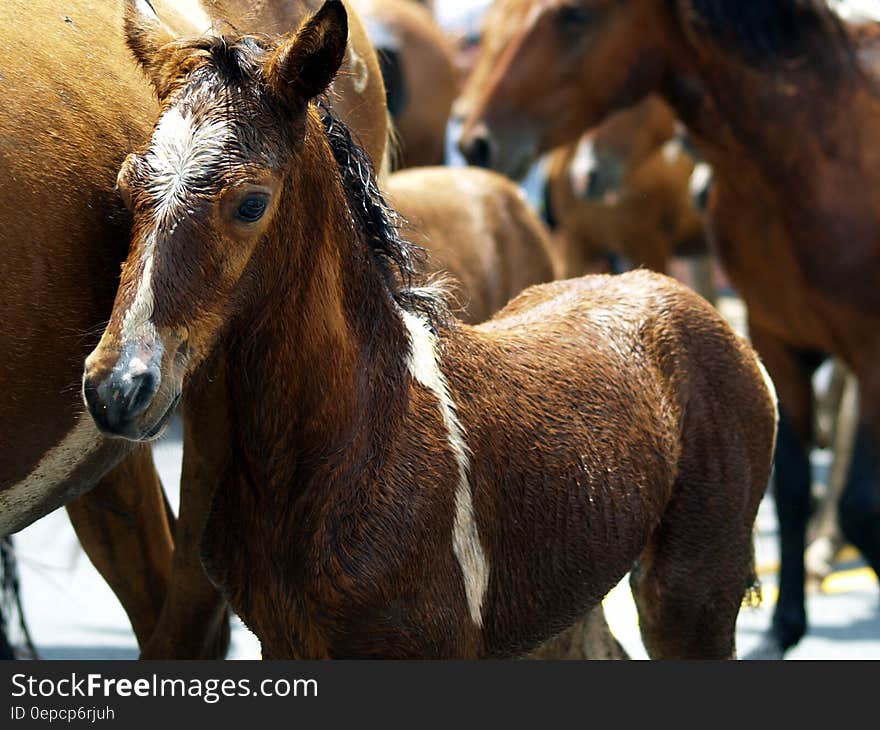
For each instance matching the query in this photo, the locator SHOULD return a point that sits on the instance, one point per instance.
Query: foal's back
(635, 424)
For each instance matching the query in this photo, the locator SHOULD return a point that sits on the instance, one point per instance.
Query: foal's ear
(145, 34)
(304, 65)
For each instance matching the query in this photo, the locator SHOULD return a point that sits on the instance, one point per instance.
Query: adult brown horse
(477, 226)
(402, 484)
(788, 115)
(64, 234)
(420, 76)
(621, 190)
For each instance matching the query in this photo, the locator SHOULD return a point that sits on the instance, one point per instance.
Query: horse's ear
(145, 34)
(304, 65)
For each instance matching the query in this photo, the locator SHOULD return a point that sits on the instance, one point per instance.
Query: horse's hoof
(768, 650)
(819, 558)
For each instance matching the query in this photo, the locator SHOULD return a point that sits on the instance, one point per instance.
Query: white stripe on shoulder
(425, 369)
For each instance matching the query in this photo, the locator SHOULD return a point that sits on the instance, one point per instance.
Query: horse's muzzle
(477, 147)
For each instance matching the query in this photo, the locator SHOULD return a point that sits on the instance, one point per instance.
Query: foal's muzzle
(117, 396)
(116, 401)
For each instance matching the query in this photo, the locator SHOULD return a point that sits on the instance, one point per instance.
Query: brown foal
(400, 484)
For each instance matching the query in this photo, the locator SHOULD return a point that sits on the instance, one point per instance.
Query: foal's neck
(324, 361)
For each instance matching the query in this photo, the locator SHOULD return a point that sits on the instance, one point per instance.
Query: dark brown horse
(400, 484)
(782, 103)
(64, 234)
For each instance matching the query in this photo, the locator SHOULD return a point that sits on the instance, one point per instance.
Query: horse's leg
(792, 373)
(123, 526)
(194, 623)
(859, 508)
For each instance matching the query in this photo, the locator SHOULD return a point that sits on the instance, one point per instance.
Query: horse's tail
(10, 602)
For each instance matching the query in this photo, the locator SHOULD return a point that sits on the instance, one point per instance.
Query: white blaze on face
(182, 152)
(583, 165)
(672, 149)
(425, 369)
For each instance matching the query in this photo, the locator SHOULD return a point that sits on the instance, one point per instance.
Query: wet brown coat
(787, 112)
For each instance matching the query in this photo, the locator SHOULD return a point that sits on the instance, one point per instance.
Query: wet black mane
(399, 260)
(767, 32)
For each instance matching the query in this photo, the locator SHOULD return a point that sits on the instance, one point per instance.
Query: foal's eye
(252, 208)
(575, 15)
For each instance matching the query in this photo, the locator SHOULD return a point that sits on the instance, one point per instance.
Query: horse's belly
(72, 466)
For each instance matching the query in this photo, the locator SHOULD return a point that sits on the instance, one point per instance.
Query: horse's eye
(252, 208)
(575, 15)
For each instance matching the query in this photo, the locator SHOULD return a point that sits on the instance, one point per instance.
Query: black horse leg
(6, 651)
(792, 496)
(859, 507)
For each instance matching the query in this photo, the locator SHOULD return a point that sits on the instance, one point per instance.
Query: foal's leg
(691, 578)
(698, 564)
(194, 623)
(123, 525)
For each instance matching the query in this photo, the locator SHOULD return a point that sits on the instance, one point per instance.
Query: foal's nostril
(116, 401)
(139, 392)
(477, 150)
(90, 395)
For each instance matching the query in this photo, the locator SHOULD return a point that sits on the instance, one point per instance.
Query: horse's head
(204, 192)
(568, 64)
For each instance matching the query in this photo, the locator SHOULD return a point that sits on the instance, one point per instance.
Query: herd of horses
(453, 447)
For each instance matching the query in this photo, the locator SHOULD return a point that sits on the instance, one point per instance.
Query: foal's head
(208, 189)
